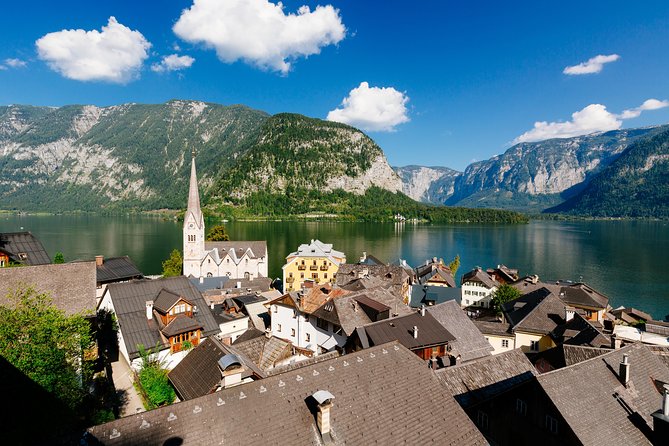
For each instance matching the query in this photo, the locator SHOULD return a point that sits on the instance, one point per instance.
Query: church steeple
(194, 198)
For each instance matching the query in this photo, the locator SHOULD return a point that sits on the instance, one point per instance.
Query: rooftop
(116, 269)
(317, 249)
(540, 311)
(236, 250)
(374, 394)
(401, 329)
(478, 275)
(469, 343)
(23, 247)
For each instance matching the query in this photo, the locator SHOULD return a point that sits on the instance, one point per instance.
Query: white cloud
(593, 118)
(114, 54)
(592, 65)
(260, 32)
(173, 62)
(372, 108)
(15, 63)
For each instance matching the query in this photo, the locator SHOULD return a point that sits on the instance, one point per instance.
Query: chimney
(239, 284)
(211, 306)
(422, 311)
(364, 256)
(149, 309)
(201, 279)
(231, 369)
(615, 342)
(624, 374)
(99, 260)
(661, 418)
(568, 313)
(324, 406)
(415, 332)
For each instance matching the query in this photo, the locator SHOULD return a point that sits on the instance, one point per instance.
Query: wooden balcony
(313, 268)
(301, 267)
(324, 267)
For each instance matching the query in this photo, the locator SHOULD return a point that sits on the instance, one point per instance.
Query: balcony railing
(324, 267)
(301, 267)
(290, 280)
(313, 267)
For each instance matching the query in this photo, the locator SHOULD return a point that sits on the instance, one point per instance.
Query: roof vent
(231, 369)
(415, 332)
(624, 371)
(422, 310)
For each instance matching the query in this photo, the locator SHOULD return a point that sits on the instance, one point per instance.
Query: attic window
(23, 256)
(328, 307)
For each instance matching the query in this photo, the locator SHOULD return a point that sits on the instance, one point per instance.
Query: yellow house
(316, 261)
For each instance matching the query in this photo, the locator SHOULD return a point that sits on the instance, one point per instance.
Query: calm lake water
(626, 260)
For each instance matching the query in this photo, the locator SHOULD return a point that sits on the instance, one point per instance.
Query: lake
(626, 260)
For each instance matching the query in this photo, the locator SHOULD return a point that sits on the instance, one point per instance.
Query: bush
(156, 386)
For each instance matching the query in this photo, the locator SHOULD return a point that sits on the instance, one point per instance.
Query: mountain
(536, 176)
(427, 184)
(636, 184)
(138, 156)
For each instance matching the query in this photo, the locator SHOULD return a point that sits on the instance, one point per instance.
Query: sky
(437, 83)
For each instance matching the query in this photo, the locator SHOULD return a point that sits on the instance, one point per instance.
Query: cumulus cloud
(591, 119)
(114, 54)
(260, 32)
(173, 62)
(377, 109)
(592, 65)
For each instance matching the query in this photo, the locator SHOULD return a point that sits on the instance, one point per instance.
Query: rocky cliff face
(138, 155)
(428, 184)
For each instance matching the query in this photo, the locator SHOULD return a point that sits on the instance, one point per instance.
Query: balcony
(290, 280)
(324, 267)
(301, 267)
(313, 268)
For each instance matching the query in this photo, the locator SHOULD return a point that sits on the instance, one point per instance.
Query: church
(236, 260)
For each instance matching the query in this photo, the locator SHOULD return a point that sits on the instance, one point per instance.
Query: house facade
(246, 260)
(316, 262)
(478, 287)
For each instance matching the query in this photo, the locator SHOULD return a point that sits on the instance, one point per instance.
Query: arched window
(247, 276)
(210, 275)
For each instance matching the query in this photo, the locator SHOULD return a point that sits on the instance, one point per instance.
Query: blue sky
(450, 81)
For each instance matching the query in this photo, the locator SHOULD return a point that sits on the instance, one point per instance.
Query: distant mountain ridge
(541, 175)
(428, 184)
(83, 157)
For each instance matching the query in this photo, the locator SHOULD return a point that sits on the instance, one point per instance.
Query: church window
(210, 275)
(247, 276)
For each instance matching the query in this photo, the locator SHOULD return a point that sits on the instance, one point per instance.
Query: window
(551, 424)
(292, 332)
(325, 275)
(321, 323)
(210, 275)
(275, 308)
(314, 263)
(290, 274)
(482, 420)
(336, 329)
(278, 328)
(294, 314)
(467, 301)
(308, 337)
(505, 343)
(314, 276)
(247, 276)
(301, 275)
(534, 346)
(521, 407)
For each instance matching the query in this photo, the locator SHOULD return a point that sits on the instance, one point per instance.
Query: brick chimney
(99, 260)
(324, 400)
(624, 371)
(149, 309)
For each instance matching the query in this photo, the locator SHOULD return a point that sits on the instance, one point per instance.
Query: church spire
(194, 197)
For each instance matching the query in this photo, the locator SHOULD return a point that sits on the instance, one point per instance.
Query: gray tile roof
(431, 295)
(564, 356)
(180, 324)
(350, 316)
(116, 269)
(592, 387)
(430, 331)
(23, 247)
(129, 300)
(393, 274)
(540, 311)
(579, 331)
(485, 378)
(165, 300)
(493, 328)
(72, 286)
(582, 294)
(469, 343)
(198, 373)
(237, 249)
(376, 402)
(478, 275)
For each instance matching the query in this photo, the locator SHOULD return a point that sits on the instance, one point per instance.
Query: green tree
(218, 234)
(59, 258)
(454, 265)
(46, 345)
(505, 293)
(172, 266)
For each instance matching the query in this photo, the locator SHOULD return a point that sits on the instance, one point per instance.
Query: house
(22, 248)
(202, 372)
(469, 343)
(317, 262)
(71, 286)
(478, 287)
(503, 274)
(168, 314)
(419, 332)
(630, 315)
(366, 398)
(435, 273)
(565, 355)
(611, 399)
(217, 289)
(432, 295)
(393, 275)
(584, 297)
(306, 319)
(203, 258)
(579, 330)
(533, 317)
(232, 322)
(114, 270)
(498, 334)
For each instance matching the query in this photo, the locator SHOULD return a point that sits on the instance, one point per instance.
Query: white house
(217, 259)
(478, 288)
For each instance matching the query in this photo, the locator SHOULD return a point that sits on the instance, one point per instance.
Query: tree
(505, 293)
(454, 265)
(46, 345)
(172, 266)
(217, 234)
(59, 258)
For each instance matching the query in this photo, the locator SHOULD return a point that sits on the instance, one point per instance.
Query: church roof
(194, 198)
(237, 249)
